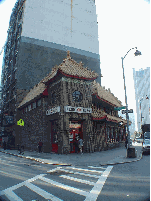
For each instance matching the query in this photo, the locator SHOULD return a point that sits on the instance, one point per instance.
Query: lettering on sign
(77, 109)
(53, 110)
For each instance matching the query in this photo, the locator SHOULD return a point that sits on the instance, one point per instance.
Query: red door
(54, 136)
(72, 136)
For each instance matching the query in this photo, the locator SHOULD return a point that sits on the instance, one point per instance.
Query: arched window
(77, 96)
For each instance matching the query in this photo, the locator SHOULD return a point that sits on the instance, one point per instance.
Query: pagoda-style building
(69, 104)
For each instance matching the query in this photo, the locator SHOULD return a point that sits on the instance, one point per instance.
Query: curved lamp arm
(129, 51)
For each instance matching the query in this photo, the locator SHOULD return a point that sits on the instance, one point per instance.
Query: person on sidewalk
(76, 145)
(4, 145)
(126, 142)
(40, 146)
(21, 149)
(80, 145)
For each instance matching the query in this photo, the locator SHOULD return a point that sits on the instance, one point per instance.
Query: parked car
(146, 146)
(139, 140)
(147, 135)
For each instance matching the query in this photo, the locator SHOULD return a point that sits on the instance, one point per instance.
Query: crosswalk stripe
(78, 180)
(12, 196)
(66, 187)
(7, 164)
(93, 194)
(96, 167)
(84, 169)
(53, 170)
(80, 173)
(41, 192)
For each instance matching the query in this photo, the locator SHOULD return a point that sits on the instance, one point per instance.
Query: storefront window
(34, 105)
(111, 134)
(39, 102)
(108, 134)
(54, 132)
(53, 97)
(29, 107)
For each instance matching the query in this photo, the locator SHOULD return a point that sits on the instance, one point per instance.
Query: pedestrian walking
(76, 145)
(126, 142)
(40, 146)
(21, 149)
(80, 145)
(4, 145)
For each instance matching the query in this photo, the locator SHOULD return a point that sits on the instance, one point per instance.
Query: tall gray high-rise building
(142, 95)
(39, 35)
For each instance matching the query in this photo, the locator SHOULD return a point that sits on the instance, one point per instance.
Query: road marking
(21, 184)
(90, 196)
(78, 180)
(7, 164)
(12, 196)
(96, 167)
(87, 175)
(93, 194)
(54, 170)
(84, 169)
(66, 187)
(41, 192)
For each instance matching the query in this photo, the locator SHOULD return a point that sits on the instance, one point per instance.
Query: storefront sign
(77, 109)
(74, 125)
(53, 110)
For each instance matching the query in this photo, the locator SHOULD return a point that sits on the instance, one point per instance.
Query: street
(23, 179)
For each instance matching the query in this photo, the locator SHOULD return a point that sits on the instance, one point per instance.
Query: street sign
(119, 108)
(129, 111)
(20, 122)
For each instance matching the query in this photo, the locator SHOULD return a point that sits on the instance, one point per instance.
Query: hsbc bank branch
(69, 104)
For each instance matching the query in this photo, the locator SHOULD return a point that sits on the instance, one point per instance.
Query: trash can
(131, 153)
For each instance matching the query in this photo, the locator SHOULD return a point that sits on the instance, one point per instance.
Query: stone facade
(62, 107)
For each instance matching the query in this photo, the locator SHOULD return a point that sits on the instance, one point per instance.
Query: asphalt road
(27, 180)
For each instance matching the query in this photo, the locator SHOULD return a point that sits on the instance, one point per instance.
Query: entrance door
(54, 136)
(75, 132)
(72, 136)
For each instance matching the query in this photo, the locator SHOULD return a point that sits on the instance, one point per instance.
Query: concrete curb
(60, 164)
(31, 158)
(116, 163)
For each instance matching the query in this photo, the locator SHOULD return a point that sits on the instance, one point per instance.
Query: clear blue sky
(122, 24)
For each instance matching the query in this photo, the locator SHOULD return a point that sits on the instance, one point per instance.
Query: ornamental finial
(68, 54)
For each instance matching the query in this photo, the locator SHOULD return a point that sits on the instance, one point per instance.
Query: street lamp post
(141, 112)
(127, 116)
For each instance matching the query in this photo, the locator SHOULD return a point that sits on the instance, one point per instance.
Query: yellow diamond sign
(20, 122)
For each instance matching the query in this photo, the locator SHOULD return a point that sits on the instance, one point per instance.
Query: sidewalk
(109, 157)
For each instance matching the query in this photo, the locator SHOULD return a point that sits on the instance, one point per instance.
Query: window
(77, 96)
(39, 102)
(53, 97)
(29, 107)
(34, 105)
(26, 109)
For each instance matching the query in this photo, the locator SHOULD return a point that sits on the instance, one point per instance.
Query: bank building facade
(67, 104)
